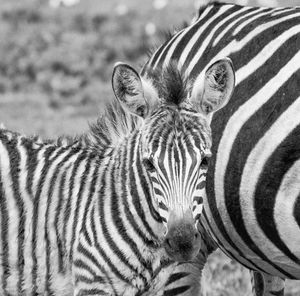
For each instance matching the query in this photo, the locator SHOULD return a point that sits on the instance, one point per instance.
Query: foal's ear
(128, 88)
(216, 87)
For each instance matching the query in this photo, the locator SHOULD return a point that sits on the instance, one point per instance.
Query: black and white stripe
(69, 216)
(80, 217)
(252, 204)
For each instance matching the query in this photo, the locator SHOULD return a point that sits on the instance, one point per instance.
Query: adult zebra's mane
(167, 35)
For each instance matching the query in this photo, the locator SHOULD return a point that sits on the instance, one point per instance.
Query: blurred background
(56, 61)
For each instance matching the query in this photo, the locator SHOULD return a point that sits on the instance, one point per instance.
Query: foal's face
(175, 142)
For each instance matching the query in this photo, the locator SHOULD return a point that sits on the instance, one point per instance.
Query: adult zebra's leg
(266, 285)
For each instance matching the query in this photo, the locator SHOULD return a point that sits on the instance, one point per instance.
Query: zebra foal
(114, 211)
(251, 209)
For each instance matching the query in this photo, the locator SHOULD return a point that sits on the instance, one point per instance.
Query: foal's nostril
(168, 243)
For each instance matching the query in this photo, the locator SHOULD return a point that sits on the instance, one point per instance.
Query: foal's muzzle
(182, 240)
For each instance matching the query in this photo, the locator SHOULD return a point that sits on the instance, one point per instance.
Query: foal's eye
(149, 166)
(204, 162)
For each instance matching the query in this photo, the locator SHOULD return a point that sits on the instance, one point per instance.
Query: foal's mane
(110, 129)
(113, 125)
(167, 35)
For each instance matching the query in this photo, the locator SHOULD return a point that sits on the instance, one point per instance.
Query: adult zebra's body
(252, 208)
(98, 216)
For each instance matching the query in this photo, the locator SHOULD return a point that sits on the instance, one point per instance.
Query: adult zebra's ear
(128, 88)
(215, 88)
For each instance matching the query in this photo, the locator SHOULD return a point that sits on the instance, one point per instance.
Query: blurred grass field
(56, 64)
(55, 70)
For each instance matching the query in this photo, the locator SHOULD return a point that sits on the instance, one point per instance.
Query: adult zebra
(112, 212)
(252, 208)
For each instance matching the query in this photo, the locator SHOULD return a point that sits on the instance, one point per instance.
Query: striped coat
(252, 206)
(111, 213)
(52, 211)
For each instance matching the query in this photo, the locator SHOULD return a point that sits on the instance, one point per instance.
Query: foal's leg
(266, 285)
(186, 278)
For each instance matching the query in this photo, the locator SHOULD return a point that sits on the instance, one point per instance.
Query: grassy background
(56, 64)
(55, 70)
